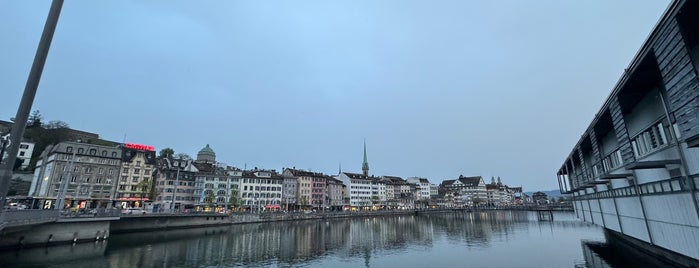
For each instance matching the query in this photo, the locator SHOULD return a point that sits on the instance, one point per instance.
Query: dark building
(635, 170)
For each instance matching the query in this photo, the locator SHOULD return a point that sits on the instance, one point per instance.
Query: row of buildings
(131, 175)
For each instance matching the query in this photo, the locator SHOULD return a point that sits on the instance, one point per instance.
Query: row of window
(69, 149)
(87, 180)
(136, 171)
(650, 140)
(263, 188)
(659, 187)
(262, 181)
(133, 179)
(261, 195)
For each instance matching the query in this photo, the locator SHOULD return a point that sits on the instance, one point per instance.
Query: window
(114, 154)
(137, 171)
(69, 149)
(125, 170)
(134, 179)
(104, 153)
(23, 146)
(93, 151)
(650, 140)
(73, 178)
(124, 178)
(138, 163)
(76, 169)
(81, 150)
(88, 170)
(21, 153)
(110, 172)
(122, 187)
(134, 188)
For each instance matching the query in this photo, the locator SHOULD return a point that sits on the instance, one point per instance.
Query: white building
(26, 148)
(359, 188)
(261, 190)
(423, 184)
(467, 190)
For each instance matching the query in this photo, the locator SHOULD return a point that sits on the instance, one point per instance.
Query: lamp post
(60, 198)
(174, 192)
(2, 150)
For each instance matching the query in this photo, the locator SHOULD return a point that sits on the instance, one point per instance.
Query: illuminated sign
(139, 146)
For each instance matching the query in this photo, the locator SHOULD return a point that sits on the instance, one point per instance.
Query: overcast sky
(437, 88)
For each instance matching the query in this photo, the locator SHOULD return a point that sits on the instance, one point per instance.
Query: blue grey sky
(437, 88)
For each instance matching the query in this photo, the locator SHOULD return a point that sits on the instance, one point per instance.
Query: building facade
(470, 191)
(634, 170)
(261, 190)
(175, 185)
(336, 200)
(84, 174)
(359, 189)
(136, 182)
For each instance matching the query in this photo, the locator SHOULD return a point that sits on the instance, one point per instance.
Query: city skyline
(303, 85)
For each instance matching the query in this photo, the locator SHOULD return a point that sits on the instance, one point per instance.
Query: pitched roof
(355, 175)
(470, 181)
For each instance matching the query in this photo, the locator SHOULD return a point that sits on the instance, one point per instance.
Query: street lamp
(177, 181)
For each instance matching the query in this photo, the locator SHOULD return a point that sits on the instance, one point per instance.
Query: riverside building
(175, 185)
(84, 175)
(135, 186)
(635, 170)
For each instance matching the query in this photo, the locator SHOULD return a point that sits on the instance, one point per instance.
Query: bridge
(547, 207)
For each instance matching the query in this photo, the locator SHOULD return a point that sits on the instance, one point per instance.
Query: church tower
(365, 164)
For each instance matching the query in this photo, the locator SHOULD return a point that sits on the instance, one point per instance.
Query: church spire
(365, 164)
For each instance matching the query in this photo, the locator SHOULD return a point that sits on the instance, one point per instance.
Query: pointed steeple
(365, 164)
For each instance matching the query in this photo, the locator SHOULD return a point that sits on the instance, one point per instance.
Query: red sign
(139, 146)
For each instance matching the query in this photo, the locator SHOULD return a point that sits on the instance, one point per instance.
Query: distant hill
(549, 193)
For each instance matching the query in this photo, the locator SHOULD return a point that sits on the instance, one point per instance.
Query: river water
(459, 239)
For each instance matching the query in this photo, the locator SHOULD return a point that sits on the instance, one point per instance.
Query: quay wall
(60, 232)
(151, 222)
(84, 229)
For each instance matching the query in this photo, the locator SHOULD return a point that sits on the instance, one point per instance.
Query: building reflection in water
(42, 256)
(296, 243)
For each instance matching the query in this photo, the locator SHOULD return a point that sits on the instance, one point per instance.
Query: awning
(272, 206)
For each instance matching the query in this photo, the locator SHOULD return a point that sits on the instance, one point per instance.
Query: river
(458, 239)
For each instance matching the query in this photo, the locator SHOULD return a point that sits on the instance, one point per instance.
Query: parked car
(134, 211)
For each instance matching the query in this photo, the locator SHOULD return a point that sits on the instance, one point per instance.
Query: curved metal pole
(25, 105)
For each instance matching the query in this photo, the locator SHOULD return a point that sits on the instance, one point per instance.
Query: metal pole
(25, 104)
(60, 199)
(2, 151)
(177, 181)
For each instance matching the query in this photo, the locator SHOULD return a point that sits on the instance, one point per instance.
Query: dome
(207, 150)
(206, 155)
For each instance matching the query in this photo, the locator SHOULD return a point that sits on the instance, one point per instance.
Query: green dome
(207, 149)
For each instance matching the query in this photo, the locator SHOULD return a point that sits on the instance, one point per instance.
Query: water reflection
(606, 255)
(441, 240)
